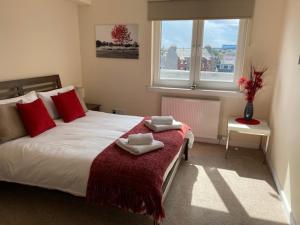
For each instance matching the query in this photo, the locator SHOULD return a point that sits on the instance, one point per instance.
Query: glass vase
(248, 112)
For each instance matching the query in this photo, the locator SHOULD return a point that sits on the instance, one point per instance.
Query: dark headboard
(14, 88)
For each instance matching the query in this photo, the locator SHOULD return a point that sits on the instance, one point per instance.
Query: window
(205, 53)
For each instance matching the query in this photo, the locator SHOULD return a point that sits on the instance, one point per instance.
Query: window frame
(196, 55)
(156, 43)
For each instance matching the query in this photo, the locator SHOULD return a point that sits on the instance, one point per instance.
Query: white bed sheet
(61, 157)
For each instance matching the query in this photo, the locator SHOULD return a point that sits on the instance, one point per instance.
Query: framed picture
(117, 41)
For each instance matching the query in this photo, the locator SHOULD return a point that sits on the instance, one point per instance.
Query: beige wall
(117, 83)
(285, 151)
(39, 37)
(121, 83)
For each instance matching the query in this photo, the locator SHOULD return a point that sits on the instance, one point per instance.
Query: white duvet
(61, 157)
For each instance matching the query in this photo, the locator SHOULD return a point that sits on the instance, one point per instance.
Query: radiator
(201, 115)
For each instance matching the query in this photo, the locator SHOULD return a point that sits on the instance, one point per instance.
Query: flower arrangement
(250, 86)
(253, 84)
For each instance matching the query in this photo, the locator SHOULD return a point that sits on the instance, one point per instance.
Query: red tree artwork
(120, 34)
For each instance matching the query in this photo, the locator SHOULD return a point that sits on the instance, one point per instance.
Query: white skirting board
(207, 140)
(242, 144)
(286, 205)
(233, 143)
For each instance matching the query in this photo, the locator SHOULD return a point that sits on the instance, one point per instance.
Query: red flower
(253, 85)
(250, 98)
(242, 80)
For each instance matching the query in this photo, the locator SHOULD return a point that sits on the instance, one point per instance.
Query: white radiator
(201, 115)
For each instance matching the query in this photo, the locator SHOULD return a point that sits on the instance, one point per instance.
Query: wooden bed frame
(15, 88)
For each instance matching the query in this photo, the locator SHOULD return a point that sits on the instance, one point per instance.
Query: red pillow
(35, 117)
(68, 106)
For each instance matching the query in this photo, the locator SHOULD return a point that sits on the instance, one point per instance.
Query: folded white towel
(139, 149)
(162, 120)
(140, 139)
(158, 128)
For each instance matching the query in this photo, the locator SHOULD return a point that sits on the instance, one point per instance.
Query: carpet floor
(207, 190)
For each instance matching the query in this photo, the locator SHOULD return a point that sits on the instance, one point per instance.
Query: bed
(61, 158)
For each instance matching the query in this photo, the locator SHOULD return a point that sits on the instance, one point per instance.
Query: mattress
(61, 158)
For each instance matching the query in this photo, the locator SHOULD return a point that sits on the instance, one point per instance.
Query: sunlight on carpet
(201, 197)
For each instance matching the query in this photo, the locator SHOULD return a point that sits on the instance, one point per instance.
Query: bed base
(168, 181)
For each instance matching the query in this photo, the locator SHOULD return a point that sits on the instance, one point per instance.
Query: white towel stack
(140, 139)
(162, 120)
(138, 144)
(163, 123)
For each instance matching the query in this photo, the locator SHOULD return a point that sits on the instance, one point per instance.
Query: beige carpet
(207, 190)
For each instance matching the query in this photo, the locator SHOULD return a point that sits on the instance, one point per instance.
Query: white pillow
(47, 100)
(29, 97)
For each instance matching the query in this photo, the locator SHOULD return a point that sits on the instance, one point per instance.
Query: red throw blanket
(131, 182)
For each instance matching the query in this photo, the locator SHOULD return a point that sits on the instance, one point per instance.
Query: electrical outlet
(119, 111)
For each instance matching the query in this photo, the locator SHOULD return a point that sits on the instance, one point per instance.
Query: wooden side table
(93, 107)
(261, 130)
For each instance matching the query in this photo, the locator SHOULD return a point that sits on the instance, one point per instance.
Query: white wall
(121, 83)
(40, 37)
(285, 145)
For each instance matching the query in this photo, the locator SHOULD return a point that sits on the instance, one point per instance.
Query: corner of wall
(286, 205)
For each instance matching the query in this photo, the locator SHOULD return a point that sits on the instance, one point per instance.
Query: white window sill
(200, 92)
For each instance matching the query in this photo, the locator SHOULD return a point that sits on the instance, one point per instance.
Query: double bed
(62, 157)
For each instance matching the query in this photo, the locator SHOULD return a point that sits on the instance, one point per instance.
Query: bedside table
(261, 130)
(93, 107)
